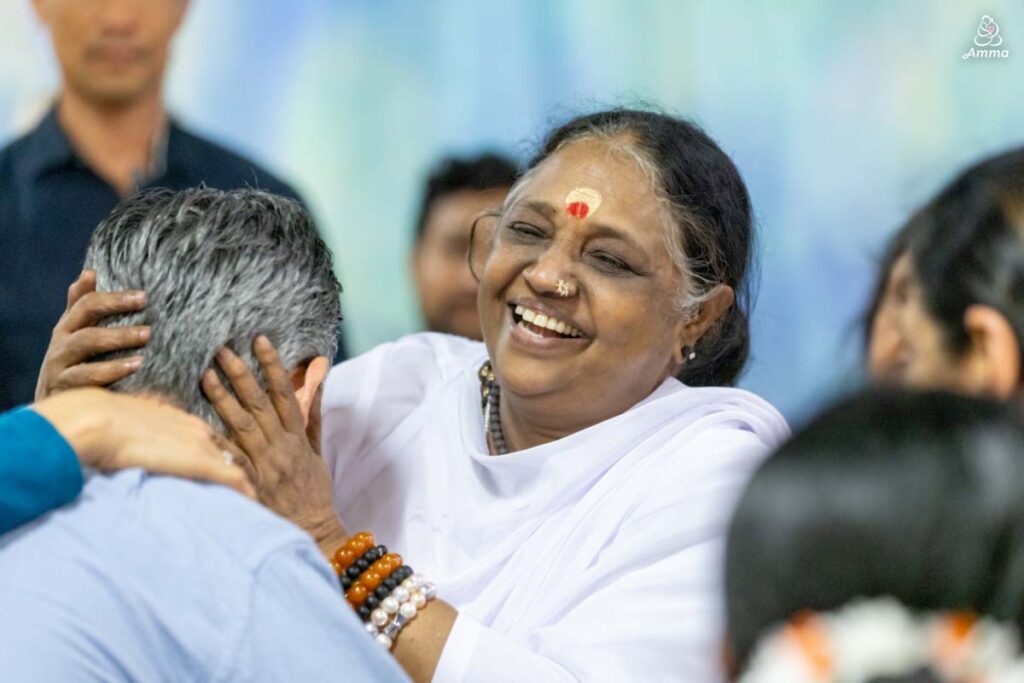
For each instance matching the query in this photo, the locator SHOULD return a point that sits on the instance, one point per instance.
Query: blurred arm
(39, 470)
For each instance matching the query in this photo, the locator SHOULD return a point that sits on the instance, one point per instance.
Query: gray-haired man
(152, 578)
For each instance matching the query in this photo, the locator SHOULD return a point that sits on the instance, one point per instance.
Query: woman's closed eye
(610, 264)
(525, 231)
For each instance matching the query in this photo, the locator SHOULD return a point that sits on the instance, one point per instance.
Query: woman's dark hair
(967, 247)
(917, 496)
(710, 206)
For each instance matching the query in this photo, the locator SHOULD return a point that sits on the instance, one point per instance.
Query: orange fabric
(808, 637)
(951, 643)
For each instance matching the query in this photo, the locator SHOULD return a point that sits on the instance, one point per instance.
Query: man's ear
(720, 299)
(307, 378)
(993, 360)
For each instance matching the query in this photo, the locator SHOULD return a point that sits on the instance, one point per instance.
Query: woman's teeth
(536, 319)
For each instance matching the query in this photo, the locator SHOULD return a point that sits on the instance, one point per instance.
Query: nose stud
(562, 288)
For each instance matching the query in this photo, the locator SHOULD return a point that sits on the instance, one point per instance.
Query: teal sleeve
(38, 469)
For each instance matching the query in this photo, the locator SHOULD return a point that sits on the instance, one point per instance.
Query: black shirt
(50, 203)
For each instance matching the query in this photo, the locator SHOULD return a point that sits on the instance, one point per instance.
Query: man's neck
(116, 141)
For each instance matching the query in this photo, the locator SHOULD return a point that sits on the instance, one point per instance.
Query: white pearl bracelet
(399, 608)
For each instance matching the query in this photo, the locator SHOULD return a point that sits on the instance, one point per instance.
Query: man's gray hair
(218, 268)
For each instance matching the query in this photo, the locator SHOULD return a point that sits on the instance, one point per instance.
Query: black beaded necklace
(490, 395)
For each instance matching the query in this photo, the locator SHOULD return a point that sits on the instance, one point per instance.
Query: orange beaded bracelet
(377, 573)
(350, 551)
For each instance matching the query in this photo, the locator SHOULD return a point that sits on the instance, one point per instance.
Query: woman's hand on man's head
(283, 450)
(76, 339)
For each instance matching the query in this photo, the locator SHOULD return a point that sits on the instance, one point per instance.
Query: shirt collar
(53, 149)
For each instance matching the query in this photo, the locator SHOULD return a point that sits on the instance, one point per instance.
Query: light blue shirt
(159, 579)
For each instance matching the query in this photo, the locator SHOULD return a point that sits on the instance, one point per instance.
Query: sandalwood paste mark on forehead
(582, 201)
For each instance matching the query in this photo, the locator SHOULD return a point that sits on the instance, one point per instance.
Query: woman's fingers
(76, 340)
(90, 342)
(279, 384)
(97, 374)
(249, 392)
(237, 419)
(291, 478)
(85, 283)
(93, 307)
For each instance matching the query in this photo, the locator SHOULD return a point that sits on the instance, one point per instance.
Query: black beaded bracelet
(385, 589)
(361, 565)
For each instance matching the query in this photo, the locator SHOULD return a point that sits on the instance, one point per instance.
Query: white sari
(594, 558)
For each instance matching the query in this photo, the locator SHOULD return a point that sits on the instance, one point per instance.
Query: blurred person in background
(884, 543)
(457, 189)
(948, 308)
(107, 135)
(568, 481)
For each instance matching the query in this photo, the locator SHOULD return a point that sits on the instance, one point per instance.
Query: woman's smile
(535, 327)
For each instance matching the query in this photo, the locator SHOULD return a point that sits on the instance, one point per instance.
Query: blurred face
(580, 302)
(906, 344)
(111, 51)
(446, 289)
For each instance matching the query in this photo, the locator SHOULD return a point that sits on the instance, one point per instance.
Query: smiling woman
(567, 482)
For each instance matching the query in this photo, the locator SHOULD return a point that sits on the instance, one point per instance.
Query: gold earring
(562, 288)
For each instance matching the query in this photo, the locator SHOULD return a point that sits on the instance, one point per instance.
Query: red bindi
(578, 209)
(582, 201)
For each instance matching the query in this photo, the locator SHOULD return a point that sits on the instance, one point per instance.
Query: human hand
(112, 432)
(290, 475)
(76, 339)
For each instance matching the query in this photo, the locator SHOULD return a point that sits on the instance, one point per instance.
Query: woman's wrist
(328, 532)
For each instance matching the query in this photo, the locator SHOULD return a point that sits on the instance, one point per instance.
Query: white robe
(593, 558)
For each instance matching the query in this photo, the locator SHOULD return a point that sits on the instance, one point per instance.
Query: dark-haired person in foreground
(149, 578)
(948, 309)
(566, 482)
(457, 190)
(884, 543)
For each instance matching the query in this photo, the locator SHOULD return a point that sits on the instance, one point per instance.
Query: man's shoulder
(203, 514)
(141, 575)
(14, 149)
(164, 518)
(225, 167)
